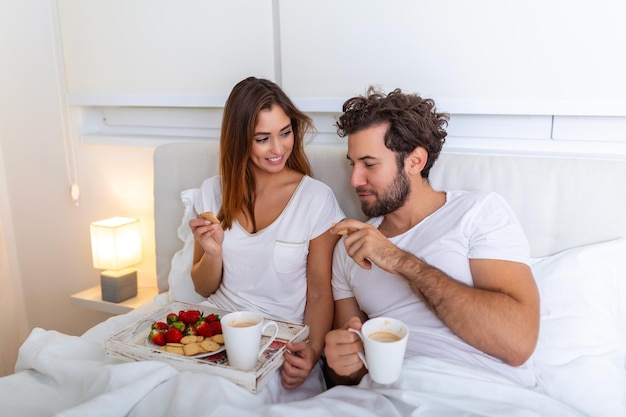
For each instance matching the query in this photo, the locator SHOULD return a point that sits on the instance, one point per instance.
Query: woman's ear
(416, 161)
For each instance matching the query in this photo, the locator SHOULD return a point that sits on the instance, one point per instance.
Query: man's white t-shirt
(266, 271)
(469, 225)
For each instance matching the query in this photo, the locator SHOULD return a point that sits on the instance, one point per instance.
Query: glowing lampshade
(115, 246)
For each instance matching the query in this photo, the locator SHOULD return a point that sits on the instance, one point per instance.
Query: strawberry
(157, 337)
(173, 335)
(178, 325)
(190, 330)
(194, 316)
(159, 325)
(171, 318)
(189, 316)
(204, 329)
(185, 323)
(216, 327)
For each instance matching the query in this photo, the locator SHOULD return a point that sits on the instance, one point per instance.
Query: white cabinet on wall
(150, 51)
(542, 57)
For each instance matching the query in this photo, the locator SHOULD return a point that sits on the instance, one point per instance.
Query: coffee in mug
(384, 337)
(242, 337)
(243, 324)
(384, 341)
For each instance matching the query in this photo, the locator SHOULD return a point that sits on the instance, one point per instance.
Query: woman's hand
(208, 235)
(206, 270)
(299, 361)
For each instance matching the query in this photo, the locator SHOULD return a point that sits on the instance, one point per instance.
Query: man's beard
(392, 198)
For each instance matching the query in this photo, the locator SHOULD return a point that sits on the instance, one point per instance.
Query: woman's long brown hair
(244, 103)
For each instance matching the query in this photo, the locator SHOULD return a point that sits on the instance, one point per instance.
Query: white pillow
(581, 353)
(179, 280)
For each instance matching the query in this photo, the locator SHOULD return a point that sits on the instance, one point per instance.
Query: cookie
(209, 345)
(210, 217)
(341, 232)
(191, 339)
(178, 350)
(191, 349)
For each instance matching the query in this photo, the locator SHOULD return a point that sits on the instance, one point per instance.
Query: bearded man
(453, 265)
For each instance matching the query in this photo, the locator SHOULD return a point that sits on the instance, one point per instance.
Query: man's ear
(416, 161)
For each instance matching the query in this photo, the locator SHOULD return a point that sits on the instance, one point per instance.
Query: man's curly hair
(413, 121)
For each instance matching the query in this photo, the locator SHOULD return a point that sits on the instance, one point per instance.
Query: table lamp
(115, 246)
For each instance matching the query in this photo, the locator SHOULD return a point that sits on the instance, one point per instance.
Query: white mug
(384, 340)
(242, 336)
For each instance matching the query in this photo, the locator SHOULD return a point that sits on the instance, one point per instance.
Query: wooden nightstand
(92, 299)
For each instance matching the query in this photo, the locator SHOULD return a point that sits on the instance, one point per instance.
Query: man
(450, 264)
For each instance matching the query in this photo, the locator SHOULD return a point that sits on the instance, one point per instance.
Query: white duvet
(61, 375)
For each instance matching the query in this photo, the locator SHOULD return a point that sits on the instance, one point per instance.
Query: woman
(272, 252)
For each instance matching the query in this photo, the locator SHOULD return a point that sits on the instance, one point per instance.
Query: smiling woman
(263, 197)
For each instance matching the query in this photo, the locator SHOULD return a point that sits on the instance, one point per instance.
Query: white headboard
(561, 203)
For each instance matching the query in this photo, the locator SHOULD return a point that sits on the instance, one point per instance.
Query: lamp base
(118, 286)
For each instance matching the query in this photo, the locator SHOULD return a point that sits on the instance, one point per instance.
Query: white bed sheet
(68, 376)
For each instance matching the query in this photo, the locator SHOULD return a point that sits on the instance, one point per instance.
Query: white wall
(50, 241)
(161, 47)
(531, 77)
(11, 296)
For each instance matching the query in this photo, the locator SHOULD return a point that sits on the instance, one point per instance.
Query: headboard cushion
(561, 203)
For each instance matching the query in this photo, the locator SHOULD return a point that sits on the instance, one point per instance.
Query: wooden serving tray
(130, 344)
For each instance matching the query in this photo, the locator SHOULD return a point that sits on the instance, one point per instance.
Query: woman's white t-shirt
(470, 225)
(266, 271)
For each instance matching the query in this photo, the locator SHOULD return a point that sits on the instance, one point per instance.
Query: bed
(573, 211)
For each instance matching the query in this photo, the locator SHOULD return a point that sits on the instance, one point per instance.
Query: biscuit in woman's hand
(210, 217)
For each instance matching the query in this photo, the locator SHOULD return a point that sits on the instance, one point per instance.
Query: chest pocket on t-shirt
(289, 257)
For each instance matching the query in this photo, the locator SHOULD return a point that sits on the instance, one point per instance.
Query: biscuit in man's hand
(210, 217)
(341, 232)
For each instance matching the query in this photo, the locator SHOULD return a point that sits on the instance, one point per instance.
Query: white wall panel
(500, 126)
(126, 47)
(611, 129)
